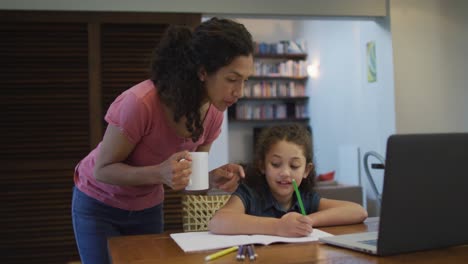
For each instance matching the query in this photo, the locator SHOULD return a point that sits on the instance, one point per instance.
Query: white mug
(199, 179)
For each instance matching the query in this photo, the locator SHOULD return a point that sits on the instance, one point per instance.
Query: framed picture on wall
(371, 62)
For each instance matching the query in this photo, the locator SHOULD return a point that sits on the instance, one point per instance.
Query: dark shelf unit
(284, 56)
(292, 120)
(274, 77)
(275, 98)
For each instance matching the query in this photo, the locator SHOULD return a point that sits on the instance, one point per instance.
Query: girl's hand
(226, 177)
(175, 171)
(294, 224)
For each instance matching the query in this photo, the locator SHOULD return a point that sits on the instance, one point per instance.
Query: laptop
(424, 199)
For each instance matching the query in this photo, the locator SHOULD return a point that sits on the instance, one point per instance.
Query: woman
(151, 129)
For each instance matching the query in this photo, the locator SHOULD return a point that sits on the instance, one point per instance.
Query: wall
(219, 152)
(349, 116)
(431, 61)
(377, 106)
(275, 7)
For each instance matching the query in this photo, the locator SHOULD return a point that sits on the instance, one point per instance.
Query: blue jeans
(94, 222)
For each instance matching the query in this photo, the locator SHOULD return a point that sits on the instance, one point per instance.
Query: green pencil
(299, 199)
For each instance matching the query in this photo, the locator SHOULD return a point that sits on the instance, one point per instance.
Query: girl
(266, 202)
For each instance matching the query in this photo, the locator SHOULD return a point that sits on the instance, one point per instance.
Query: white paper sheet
(199, 241)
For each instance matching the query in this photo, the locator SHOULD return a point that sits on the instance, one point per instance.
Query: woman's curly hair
(182, 53)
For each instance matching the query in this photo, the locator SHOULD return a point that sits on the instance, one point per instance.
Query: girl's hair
(182, 53)
(268, 137)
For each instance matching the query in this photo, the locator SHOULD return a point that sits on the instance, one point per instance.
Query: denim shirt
(255, 205)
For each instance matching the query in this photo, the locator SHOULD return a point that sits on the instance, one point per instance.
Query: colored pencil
(299, 199)
(221, 253)
(240, 253)
(251, 253)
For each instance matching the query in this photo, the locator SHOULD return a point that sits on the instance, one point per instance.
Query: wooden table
(161, 248)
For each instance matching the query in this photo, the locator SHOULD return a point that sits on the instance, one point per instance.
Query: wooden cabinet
(59, 73)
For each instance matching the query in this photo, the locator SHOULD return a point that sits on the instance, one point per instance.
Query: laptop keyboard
(372, 242)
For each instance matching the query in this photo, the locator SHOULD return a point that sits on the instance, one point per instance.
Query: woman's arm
(231, 219)
(336, 212)
(115, 148)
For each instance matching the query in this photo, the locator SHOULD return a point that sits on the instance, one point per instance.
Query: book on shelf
(261, 111)
(269, 110)
(274, 89)
(300, 111)
(289, 68)
(281, 47)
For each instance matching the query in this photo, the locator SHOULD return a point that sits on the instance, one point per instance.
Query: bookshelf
(274, 95)
(276, 92)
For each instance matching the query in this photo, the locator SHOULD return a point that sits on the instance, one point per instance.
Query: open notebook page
(199, 241)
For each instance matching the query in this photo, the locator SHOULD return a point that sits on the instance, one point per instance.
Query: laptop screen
(425, 193)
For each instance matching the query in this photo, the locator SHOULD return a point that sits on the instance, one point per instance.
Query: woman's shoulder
(143, 89)
(144, 93)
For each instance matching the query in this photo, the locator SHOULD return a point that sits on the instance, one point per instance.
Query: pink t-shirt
(138, 113)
